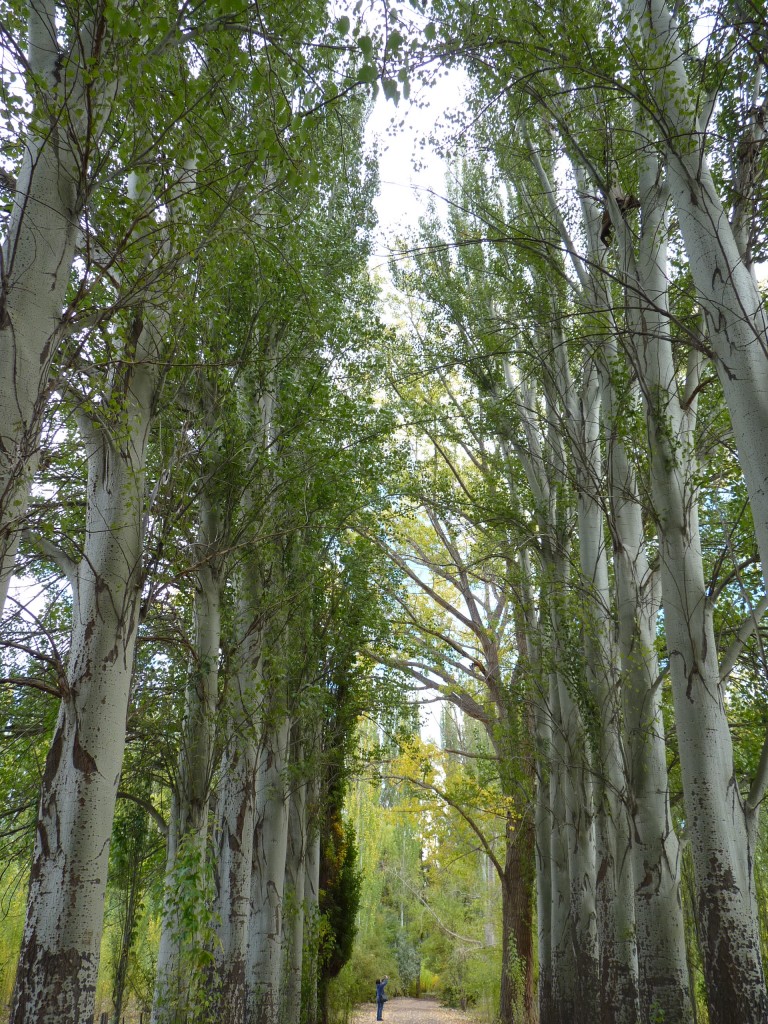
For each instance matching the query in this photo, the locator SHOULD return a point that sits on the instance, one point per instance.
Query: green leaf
(394, 41)
(390, 89)
(368, 74)
(430, 31)
(366, 45)
(342, 25)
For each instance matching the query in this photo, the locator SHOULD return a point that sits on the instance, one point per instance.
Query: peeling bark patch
(241, 819)
(52, 761)
(54, 986)
(81, 759)
(689, 688)
(736, 988)
(45, 846)
(647, 881)
(231, 995)
(603, 871)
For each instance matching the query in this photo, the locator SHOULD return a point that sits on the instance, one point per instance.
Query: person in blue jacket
(380, 997)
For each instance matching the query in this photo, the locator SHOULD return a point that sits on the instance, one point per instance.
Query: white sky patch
(410, 170)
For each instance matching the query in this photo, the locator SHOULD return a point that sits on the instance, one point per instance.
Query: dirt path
(410, 1011)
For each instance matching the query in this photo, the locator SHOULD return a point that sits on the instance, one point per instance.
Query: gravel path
(410, 1011)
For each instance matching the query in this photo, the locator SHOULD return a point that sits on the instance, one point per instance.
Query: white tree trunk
(656, 855)
(733, 308)
(575, 951)
(737, 327)
(175, 988)
(295, 879)
(236, 814)
(310, 966)
(545, 889)
(721, 828)
(270, 844)
(614, 883)
(565, 991)
(722, 831)
(59, 958)
(38, 253)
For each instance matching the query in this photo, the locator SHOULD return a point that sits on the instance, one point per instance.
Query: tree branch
(33, 683)
(52, 551)
(430, 788)
(151, 810)
(443, 927)
(747, 628)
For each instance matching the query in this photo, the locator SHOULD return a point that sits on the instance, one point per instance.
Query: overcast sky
(408, 164)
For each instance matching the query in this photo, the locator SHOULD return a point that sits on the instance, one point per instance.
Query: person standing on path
(380, 997)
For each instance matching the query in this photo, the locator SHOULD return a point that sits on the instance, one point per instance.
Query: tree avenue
(261, 510)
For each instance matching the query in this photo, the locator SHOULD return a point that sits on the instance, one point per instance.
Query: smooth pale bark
(733, 308)
(578, 801)
(310, 965)
(39, 249)
(720, 826)
(574, 953)
(235, 815)
(237, 804)
(59, 958)
(570, 755)
(545, 889)
(594, 785)
(656, 853)
(614, 884)
(737, 327)
(174, 987)
(295, 879)
(270, 844)
(565, 987)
